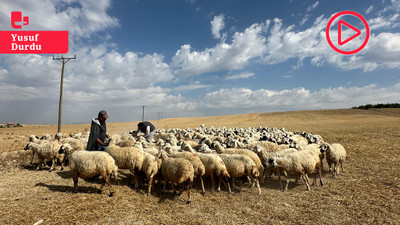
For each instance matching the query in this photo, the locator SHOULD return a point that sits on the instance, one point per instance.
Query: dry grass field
(366, 193)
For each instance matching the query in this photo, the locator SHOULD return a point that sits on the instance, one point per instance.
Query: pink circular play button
(342, 41)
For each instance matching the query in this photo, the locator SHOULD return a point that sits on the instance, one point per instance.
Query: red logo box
(33, 42)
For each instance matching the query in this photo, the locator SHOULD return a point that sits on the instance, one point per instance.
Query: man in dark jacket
(148, 129)
(98, 133)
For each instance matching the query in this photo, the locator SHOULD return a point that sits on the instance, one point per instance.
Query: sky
(190, 58)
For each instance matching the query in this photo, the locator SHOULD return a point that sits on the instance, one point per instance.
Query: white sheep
(46, 151)
(265, 156)
(214, 166)
(252, 155)
(127, 158)
(298, 163)
(150, 167)
(87, 164)
(335, 154)
(239, 165)
(198, 166)
(178, 171)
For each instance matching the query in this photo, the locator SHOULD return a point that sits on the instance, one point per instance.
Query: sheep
(127, 158)
(335, 154)
(87, 164)
(150, 167)
(126, 143)
(214, 165)
(46, 151)
(252, 155)
(299, 163)
(46, 137)
(177, 171)
(187, 147)
(75, 144)
(198, 166)
(264, 156)
(240, 165)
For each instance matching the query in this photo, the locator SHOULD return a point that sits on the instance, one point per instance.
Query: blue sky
(199, 58)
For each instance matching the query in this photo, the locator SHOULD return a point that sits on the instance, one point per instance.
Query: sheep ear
(26, 147)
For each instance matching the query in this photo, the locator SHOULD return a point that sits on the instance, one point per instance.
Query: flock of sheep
(179, 156)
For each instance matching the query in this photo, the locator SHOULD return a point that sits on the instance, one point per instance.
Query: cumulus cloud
(239, 76)
(217, 24)
(191, 87)
(299, 98)
(245, 46)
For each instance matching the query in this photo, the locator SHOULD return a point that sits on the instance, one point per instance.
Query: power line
(64, 61)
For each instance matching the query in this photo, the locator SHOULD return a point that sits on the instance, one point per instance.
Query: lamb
(214, 165)
(241, 165)
(299, 163)
(87, 164)
(198, 166)
(177, 171)
(46, 151)
(127, 158)
(335, 154)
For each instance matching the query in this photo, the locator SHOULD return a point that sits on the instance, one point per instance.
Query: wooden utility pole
(64, 61)
(143, 113)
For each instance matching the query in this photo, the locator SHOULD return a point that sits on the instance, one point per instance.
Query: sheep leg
(52, 164)
(150, 183)
(39, 164)
(279, 179)
(33, 155)
(229, 187)
(319, 175)
(107, 180)
(305, 178)
(165, 185)
(202, 186)
(336, 169)
(335, 165)
(189, 194)
(213, 185)
(258, 185)
(341, 165)
(287, 181)
(75, 178)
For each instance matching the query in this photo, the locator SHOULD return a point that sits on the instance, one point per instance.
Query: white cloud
(304, 20)
(217, 24)
(299, 98)
(369, 10)
(240, 76)
(192, 87)
(224, 56)
(313, 6)
(3, 74)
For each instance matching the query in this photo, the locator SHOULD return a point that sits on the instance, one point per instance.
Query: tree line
(377, 106)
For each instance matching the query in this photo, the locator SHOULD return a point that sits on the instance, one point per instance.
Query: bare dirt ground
(366, 193)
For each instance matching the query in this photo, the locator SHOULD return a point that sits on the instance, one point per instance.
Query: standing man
(98, 133)
(148, 129)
